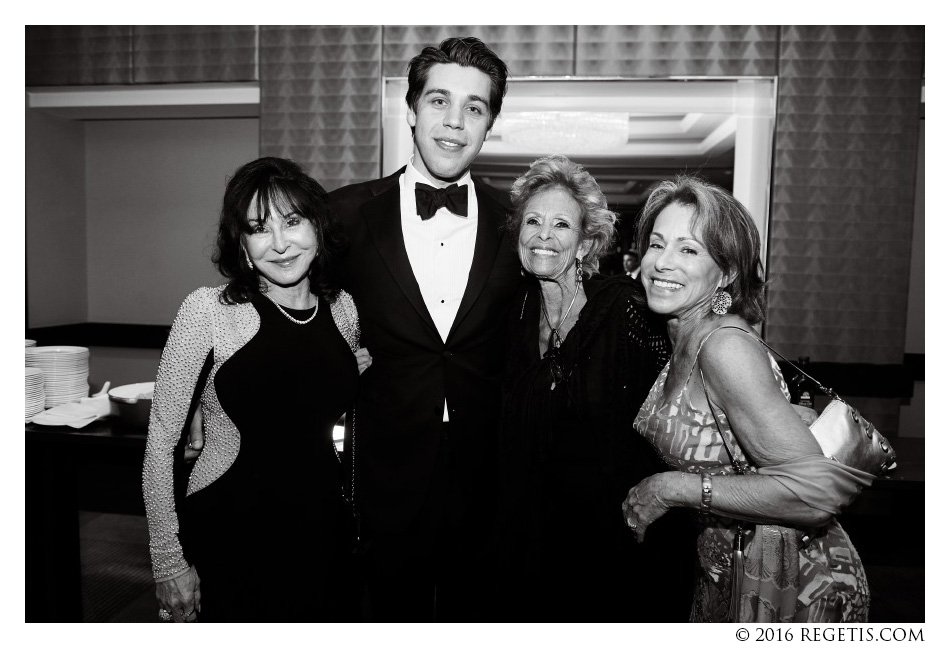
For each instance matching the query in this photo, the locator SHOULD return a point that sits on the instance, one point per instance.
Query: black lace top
(568, 455)
(610, 359)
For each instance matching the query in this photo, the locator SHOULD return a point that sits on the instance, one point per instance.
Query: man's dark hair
(467, 52)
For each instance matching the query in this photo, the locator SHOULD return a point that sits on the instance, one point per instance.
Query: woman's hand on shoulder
(741, 382)
(181, 596)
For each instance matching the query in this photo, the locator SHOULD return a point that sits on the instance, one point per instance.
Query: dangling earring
(578, 272)
(247, 257)
(721, 302)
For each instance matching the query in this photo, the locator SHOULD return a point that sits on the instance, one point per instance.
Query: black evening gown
(270, 537)
(569, 454)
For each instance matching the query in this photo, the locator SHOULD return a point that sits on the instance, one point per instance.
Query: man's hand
(196, 438)
(363, 359)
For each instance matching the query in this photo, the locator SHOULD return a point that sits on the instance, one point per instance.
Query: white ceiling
(665, 120)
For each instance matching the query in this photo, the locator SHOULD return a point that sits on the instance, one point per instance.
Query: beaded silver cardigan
(203, 323)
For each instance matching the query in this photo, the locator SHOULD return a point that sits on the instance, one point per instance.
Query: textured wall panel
(676, 50)
(194, 54)
(845, 145)
(843, 191)
(78, 55)
(527, 50)
(320, 100)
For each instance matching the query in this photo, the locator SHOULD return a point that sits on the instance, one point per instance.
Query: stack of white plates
(30, 343)
(65, 372)
(35, 392)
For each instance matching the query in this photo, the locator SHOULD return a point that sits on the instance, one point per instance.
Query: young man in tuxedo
(433, 277)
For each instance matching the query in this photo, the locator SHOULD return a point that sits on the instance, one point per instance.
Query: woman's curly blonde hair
(597, 222)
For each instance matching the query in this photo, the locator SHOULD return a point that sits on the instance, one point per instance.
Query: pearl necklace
(289, 316)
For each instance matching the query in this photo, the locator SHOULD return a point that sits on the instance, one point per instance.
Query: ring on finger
(164, 614)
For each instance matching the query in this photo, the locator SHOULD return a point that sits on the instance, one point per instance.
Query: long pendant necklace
(555, 339)
(289, 316)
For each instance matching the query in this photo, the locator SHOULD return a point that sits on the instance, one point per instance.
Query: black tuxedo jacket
(400, 402)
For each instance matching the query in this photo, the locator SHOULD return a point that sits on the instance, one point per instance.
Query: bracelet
(705, 502)
(181, 572)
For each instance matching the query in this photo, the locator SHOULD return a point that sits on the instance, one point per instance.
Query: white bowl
(134, 403)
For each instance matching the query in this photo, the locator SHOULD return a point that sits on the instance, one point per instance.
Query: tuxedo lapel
(384, 223)
(491, 221)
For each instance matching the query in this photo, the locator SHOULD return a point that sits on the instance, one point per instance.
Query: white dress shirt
(440, 250)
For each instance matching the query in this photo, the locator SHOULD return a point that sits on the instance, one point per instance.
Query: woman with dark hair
(583, 353)
(719, 415)
(267, 532)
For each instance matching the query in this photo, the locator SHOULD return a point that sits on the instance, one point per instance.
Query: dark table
(95, 468)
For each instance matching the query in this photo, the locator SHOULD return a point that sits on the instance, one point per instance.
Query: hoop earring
(721, 302)
(578, 270)
(247, 258)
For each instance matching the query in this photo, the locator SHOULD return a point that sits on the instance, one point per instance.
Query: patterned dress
(790, 575)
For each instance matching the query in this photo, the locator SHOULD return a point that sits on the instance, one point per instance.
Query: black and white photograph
(477, 328)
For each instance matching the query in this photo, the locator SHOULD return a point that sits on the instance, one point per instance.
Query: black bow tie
(429, 200)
